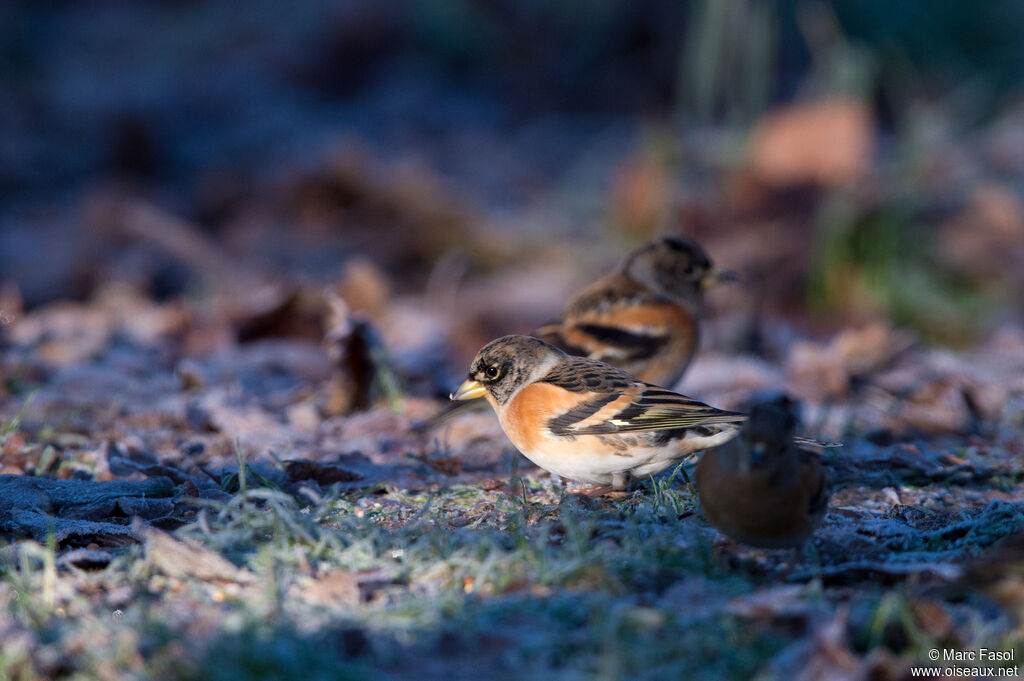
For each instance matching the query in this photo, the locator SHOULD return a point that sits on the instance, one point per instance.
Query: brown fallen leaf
(187, 558)
(869, 348)
(365, 287)
(63, 333)
(289, 312)
(932, 617)
(137, 316)
(640, 195)
(445, 465)
(303, 416)
(339, 588)
(15, 456)
(335, 588)
(323, 473)
(937, 406)
(986, 240)
(827, 142)
(87, 558)
(827, 655)
(349, 342)
(490, 484)
(777, 602)
(828, 371)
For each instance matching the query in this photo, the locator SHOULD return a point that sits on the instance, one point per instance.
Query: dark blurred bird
(760, 488)
(643, 318)
(586, 420)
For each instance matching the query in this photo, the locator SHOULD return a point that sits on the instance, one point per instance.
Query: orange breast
(524, 416)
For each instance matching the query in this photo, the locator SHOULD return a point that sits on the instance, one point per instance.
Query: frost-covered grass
(461, 582)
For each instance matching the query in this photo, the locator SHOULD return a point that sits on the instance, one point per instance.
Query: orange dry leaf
(641, 191)
(827, 142)
(932, 617)
(986, 239)
(179, 559)
(14, 455)
(365, 287)
(826, 371)
(334, 588)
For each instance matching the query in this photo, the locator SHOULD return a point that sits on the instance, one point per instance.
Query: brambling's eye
(492, 372)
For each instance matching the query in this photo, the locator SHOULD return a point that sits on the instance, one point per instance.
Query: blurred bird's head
(675, 267)
(769, 430)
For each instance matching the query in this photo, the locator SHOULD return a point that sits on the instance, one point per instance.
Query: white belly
(571, 459)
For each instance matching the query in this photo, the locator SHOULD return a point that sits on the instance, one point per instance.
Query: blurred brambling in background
(644, 317)
(761, 489)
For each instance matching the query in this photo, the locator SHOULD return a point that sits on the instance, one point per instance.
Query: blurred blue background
(280, 131)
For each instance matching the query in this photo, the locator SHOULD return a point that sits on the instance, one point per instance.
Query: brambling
(644, 317)
(761, 489)
(586, 420)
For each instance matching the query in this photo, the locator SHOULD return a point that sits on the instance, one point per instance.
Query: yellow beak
(717, 276)
(469, 390)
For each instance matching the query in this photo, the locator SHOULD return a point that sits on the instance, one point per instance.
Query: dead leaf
(986, 240)
(932, 617)
(365, 288)
(63, 333)
(445, 465)
(823, 656)
(188, 558)
(87, 558)
(640, 194)
(827, 142)
(333, 589)
(323, 473)
(827, 371)
(781, 601)
(349, 342)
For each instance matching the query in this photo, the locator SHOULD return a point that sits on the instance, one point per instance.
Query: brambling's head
(769, 430)
(675, 267)
(504, 366)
